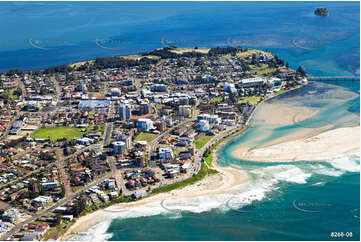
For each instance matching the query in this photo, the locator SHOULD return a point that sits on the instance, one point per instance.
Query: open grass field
(251, 52)
(254, 67)
(55, 133)
(267, 71)
(217, 99)
(204, 140)
(183, 50)
(263, 69)
(146, 136)
(280, 92)
(252, 100)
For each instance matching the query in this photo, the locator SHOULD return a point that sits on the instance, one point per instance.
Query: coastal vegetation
(203, 172)
(144, 60)
(55, 133)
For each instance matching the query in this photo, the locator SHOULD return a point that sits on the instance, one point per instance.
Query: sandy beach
(225, 182)
(305, 144)
(327, 144)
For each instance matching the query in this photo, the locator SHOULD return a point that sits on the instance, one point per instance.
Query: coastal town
(81, 137)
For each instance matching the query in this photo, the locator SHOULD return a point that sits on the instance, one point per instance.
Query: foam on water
(96, 233)
(327, 171)
(349, 162)
(173, 208)
(267, 180)
(288, 173)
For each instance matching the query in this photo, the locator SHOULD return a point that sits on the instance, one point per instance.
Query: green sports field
(55, 133)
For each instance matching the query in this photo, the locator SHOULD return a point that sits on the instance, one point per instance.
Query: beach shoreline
(237, 176)
(325, 145)
(225, 182)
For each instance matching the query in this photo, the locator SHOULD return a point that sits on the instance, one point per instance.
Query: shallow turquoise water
(302, 200)
(325, 46)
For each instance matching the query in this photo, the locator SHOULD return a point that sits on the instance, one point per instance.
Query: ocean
(285, 201)
(39, 34)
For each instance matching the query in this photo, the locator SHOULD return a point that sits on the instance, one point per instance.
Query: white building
(159, 88)
(125, 111)
(203, 125)
(115, 92)
(229, 87)
(85, 141)
(252, 82)
(228, 122)
(275, 82)
(212, 119)
(165, 153)
(145, 124)
(11, 215)
(185, 110)
(119, 147)
(41, 201)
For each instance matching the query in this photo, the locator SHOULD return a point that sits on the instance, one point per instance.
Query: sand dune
(327, 144)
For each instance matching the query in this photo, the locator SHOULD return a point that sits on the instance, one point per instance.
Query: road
(47, 166)
(108, 134)
(57, 88)
(52, 208)
(23, 94)
(63, 174)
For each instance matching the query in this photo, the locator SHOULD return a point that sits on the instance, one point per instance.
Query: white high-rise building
(125, 111)
(203, 125)
(119, 147)
(185, 110)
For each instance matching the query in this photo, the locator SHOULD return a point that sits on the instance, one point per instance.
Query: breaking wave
(266, 180)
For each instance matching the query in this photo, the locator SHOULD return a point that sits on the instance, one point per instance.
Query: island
(78, 138)
(321, 12)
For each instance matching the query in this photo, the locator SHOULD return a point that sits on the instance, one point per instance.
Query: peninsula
(78, 138)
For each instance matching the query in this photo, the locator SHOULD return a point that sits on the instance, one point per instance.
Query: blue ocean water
(299, 200)
(40, 34)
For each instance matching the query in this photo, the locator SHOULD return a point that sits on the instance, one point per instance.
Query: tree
(58, 219)
(276, 58)
(232, 97)
(287, 65)
(79, 207)
(18, 92)
(62, 193)
(254, 59)
(301, 70)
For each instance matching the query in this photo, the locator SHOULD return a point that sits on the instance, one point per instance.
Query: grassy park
(55, 133)
(146, 136)
(204, 140)
(252, 100)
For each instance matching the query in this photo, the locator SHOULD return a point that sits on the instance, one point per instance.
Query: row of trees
(225, 51)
